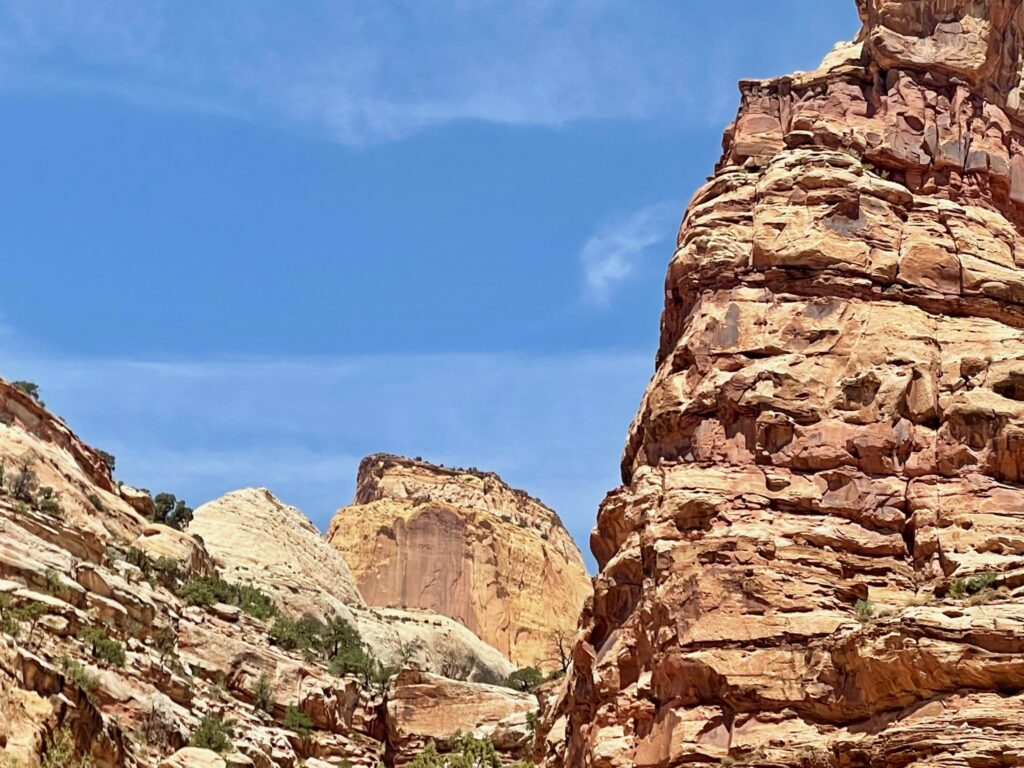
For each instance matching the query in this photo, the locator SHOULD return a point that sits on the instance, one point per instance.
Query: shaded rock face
(463, 544)
(833, 442)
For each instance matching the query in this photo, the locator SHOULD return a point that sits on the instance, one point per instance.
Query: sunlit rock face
(832, 445)
(464, 544)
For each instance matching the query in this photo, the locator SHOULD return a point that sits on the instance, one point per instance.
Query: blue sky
(247, 243)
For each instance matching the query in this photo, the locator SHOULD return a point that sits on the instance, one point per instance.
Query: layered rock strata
(102, 656)
(255, 538)
(816, 557)
(464, 544)
(423, 708)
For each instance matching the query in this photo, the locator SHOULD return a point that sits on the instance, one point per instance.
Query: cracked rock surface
(816, 557)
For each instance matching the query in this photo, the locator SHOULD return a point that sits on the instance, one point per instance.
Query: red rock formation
(829, 459)
(463, 544)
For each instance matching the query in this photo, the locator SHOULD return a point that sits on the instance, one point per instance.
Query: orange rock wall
(833, 442)
(463, 544)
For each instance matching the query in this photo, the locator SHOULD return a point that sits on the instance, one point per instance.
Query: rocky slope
(465, 545)
(113, 647)
(255, 538)
(816, 557)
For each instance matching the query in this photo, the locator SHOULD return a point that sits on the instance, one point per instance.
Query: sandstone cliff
(255, 538)
(816, 557)
(463, 544)
(114, 647)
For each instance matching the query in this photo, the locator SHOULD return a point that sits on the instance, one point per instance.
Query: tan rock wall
(832, 443)
(463, 544)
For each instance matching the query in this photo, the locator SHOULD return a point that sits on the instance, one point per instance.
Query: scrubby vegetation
(336, 642)
(22, 484)
(102, 646)
(172, 511)
(214, 733)
(14, 616)
(973, 585)
(297, 721)
(47, 501)
(865, 611)
(108, 459)
(60, 752)
(525, 679)
(79, 676)
(262, 693)
(207, 590)
(466, 752)
(30, 388)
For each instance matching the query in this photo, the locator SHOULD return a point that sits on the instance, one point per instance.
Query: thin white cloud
(360, 72)
(552, 424)
(615, 251)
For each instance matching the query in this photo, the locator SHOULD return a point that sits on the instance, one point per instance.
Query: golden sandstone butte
(464, 544)
(816, 557)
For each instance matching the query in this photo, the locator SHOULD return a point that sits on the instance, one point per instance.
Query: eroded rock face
(101, 655)
(424, 708)
(463, 544)
(833, 441)
(255, 538)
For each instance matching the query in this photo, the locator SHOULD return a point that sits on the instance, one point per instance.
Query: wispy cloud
(363, 72)
(554, 425)
(615, 251)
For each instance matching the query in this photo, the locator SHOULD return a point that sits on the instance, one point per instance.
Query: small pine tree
(263, 694)
(30, 388)
(214, 733)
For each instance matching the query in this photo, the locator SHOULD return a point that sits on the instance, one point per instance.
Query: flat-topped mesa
(386, 476)
(464, 544)
(829, 459)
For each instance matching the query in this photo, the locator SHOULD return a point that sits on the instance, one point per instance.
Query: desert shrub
(79, 676)
(865, 611)
(214, 733)
(338, 636)
(108, 459)
(12, 616)
(47, 501)
(102, 646)
(59, 751)
(53, 584)
(972, 585)
(207, 590)
(525, 679)
(303, 634)
(466, 752)
(30, 388)
(172, 511)
(8, 623)
(297, 721)
(167, 570)
(140, 560)
(165, 642)
(262, 693)
(96, 502)
(24, 482)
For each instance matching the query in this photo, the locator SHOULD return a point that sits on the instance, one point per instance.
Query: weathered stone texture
(465, 545)
(833, 441)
